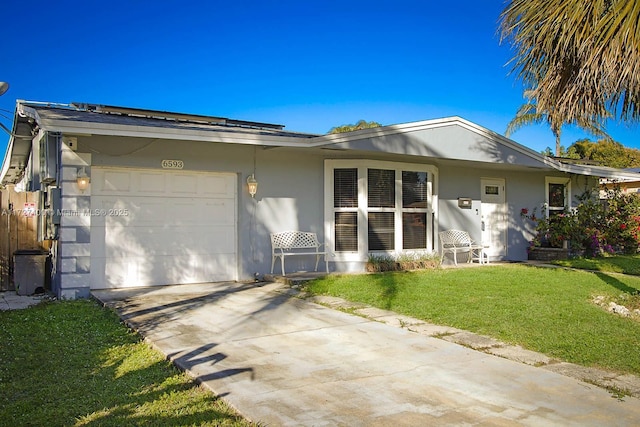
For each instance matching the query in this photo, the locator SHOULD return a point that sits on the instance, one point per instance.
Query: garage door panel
(177, 211)
(216, 186)
(112, 181)
(123, 242)
(131, 272)
(152, 184)
(148, 241)
(185, 184)
(163, 228)
(223, 265)
(218, 212)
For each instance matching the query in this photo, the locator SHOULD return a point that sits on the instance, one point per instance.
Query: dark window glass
(382, 188)
(491, 190)
(414, 189)
(345, 188)
(346, 231)
(381, 232)
(414, 230)
(556, 196)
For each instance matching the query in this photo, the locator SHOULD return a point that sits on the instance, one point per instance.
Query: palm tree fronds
(580, 59)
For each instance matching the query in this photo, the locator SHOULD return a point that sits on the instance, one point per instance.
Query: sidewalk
(9, 300)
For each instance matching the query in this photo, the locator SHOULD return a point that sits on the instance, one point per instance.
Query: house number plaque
(172, 164)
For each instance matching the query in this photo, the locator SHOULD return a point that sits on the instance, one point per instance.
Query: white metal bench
(456, 242)
(290, 243)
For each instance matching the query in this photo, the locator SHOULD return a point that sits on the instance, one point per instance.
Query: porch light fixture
(83, 180)
(252, 184)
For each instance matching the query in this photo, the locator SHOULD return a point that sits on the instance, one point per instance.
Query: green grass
(627, 264)
(73, 363)
(542, 309)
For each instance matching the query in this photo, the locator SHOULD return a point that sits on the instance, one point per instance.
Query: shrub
(623, 221)
(405, 261)
(592, 228)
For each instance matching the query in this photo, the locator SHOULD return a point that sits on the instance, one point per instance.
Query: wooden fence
(18, 229)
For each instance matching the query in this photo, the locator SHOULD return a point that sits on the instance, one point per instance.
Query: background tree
(563, 153)
(361, 124)
(580, 59)
(606, 152)
(529, 114)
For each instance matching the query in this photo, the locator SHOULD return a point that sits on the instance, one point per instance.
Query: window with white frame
(379, 206)
(381, 209)
(345, 203)
(415, 207)
(558, 195)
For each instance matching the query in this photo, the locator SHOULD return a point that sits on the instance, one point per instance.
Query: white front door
(493, 216)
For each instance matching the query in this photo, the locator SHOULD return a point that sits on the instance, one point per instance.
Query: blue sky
(309, 65)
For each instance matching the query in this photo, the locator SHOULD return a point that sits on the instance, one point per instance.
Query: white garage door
(161, 227)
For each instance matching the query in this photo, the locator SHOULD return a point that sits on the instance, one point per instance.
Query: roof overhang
(95, 122)
(602, 172)
(32, 117)
(19, 146)
(335, 140)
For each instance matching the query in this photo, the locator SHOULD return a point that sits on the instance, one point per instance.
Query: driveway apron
(280, 360)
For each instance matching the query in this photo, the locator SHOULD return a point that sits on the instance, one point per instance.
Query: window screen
(414, 230)
(345, 188)
(381, 231)
(414, 189)
(346, 231)
(556, 196)
(382, 188)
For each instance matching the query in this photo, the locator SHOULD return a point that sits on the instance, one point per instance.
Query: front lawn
(543, 309)
(73, 363)
(627, 264)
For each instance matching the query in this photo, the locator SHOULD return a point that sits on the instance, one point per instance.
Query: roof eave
(599, 171)
(333, 139)
(92, 128)
(17, 143)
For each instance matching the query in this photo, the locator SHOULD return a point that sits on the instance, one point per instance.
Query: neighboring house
(168, 203)
(626, 186)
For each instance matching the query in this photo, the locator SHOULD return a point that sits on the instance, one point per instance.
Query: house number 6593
(172, 164)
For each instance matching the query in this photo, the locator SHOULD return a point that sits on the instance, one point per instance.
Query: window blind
(381, 231)
(346, 226)
(382, 188)
(414, 189)
(345, 188)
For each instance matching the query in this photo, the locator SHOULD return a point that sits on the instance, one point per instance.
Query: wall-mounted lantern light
(83, 180)
(252, 184)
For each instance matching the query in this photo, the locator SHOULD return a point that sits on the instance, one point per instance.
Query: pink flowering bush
(623, 221)
(592, 228)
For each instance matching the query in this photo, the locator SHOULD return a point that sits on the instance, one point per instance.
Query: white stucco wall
(290, 193)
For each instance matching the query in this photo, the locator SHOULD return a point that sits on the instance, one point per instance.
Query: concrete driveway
(280, 360)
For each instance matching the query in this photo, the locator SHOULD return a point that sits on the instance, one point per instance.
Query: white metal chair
(456, 242)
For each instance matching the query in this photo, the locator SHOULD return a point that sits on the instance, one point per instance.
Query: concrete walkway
(283, 360)
(10, 300)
